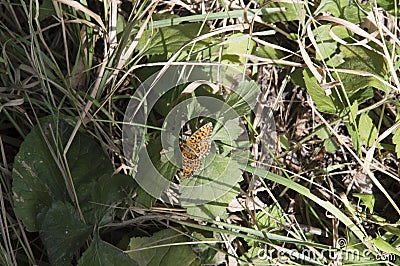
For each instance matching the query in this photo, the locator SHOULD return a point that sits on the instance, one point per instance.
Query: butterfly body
(196, 147)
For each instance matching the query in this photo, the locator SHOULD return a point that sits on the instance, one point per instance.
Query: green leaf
(215, 208)
(62, 232)
(236, 45)
(333, 7)
(354, 14)
(272, 218)
(103, 253)
(109, 191)
(290, 11)
(388, 5)
(368, 200)
(327, 46)
(268, 52)
(323, 133)
(159, 249)
(243, 99)
(384, 246)
(169, 40)
(355, 137)
(207, 252)
(396, 136)
(359, 58)
(147, 170)
(324, 103)
(207, 195)
(362, 95)
(38, 181)
(330, 145)
(368, 131)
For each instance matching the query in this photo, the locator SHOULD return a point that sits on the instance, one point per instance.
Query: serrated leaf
(158, 249)
(103, 253)
(368, 131)
(62, 232)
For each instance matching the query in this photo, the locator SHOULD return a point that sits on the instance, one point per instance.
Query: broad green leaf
(359, 58)
(103, 253)
(334, 7)
(323, 133)
(109, 191)
(297, 77)
(388, 5)
(38, 180)
(355, 14)
(161, 249)
(368, 131)
(353, 111)
(46, 10)
(206, 252)
(216, 182)
(330, 145)
(235, 46)
(362, 95)
(368, 200)
(268, 52)
(215, 208)
(148, 170)
(62, 232)
(228, 132)
(324, 103)
(327, 46)
(290, 11)
(243, 99)
(169, 40)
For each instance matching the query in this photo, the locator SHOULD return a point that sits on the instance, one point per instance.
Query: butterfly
(196, 147)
